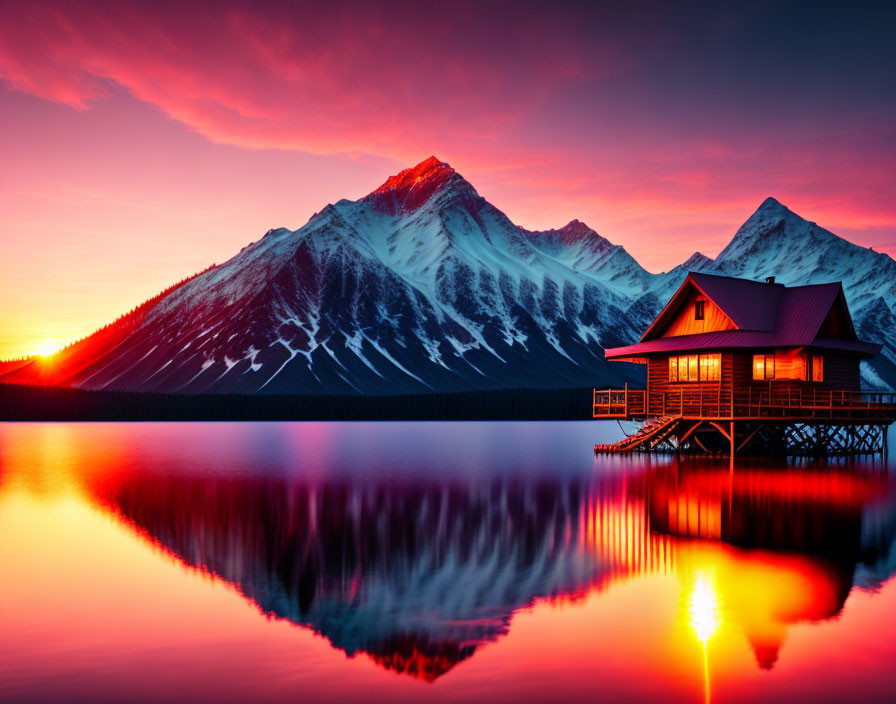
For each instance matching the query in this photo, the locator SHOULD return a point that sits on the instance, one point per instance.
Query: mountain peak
(771, 210)
(696, 262)
(572, 232)
(774, 233)
(575, 230)
(409, 189)
(771, 203)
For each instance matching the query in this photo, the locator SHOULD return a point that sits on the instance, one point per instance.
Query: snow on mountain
(775, 241)
(582, 249)
(696, 262)
(422, 286)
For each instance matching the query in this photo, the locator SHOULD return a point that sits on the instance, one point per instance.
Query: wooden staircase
(649, 435)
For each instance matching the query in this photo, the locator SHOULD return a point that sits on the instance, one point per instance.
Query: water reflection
(418, 575)
(426, 553)
(782, 546)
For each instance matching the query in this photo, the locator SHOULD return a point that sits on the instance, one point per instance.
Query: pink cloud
(552, 112)
(274, 76)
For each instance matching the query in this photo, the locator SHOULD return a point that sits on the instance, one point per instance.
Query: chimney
(769, 279)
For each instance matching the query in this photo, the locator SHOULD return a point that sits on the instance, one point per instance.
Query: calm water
(433, 562)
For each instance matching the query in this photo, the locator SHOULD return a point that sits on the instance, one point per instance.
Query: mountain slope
(775, 241)
(420, 286)
(582, 249)
(424, 286)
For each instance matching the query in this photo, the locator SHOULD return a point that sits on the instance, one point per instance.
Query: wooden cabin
(729, 348)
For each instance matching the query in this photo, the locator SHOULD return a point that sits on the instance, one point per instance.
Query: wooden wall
(840, 372)
(710, 393)
(684, 324)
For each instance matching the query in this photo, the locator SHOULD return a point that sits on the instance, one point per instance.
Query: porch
(797, 404)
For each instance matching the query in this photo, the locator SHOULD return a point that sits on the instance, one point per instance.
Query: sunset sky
(140, 142)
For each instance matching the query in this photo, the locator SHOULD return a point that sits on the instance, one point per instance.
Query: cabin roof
(751, 305)
(765, 316)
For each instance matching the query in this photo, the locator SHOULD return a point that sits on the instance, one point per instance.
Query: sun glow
(47, 348)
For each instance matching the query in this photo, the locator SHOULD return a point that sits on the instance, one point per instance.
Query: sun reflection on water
(703, 608)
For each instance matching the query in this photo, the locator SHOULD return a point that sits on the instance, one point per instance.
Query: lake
(436, 562)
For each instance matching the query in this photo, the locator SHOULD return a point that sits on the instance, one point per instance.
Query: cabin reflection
(784, 545)
(418, 576)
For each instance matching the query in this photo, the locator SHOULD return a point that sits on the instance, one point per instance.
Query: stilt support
(769, 436)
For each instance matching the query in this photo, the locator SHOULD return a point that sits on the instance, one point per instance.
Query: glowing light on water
(704, 610)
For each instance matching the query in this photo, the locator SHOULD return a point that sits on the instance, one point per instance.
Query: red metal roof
(767, 316)
(750, 304)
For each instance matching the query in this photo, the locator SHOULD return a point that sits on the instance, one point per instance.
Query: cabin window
(817, 367)
(710, 367)
(763, 367)
(692, 367)
(699, 310)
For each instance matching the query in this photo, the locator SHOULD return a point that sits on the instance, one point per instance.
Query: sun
(47, 348)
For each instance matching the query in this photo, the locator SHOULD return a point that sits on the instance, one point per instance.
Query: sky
(141, 142)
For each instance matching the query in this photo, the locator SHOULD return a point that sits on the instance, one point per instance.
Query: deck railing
(814, 403)
(619, 403)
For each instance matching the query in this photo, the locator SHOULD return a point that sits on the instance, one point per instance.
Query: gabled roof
(749, 305)
(764, 315)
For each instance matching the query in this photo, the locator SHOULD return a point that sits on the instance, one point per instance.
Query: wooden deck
(814, 421)
(782, 404)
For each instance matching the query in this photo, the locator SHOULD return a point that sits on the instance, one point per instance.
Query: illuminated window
(759, 367)
(710, 367)
(763, 367)
(692, 367)
(817, 367)
(699, 310)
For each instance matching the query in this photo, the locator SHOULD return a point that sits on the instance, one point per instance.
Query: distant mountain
(423, 286)
(580, 248)
(775, 241)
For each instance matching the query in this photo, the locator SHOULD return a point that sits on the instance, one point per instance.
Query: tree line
(33, 403)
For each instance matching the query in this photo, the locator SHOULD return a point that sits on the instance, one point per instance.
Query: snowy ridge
(775, 241)
(424, 286)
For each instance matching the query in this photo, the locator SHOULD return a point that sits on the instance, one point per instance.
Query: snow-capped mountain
(775, 241)
(582, 249)
(420, 286)
(424, 286)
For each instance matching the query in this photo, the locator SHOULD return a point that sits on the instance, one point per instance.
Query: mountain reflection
(418, 576)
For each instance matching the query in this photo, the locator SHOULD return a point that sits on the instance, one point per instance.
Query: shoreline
(33, 403)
